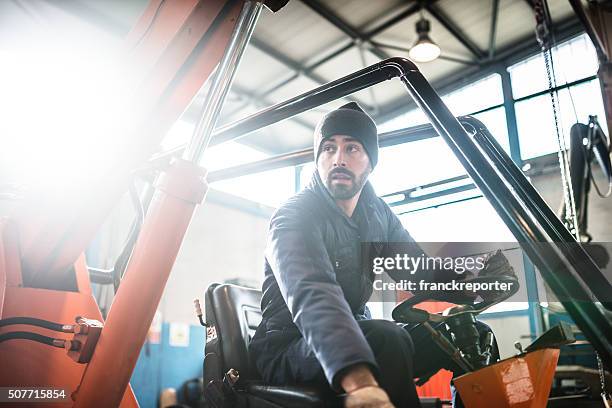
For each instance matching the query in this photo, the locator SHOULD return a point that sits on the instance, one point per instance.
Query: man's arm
(306, 279)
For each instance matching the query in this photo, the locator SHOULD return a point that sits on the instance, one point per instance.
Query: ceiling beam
(442, 56)
(285, 60)
(297, 71)
(258, 100)
(329, 55)
(325, 57)
(493, 30)
(415, 8)
(390, 22)
(454, 30)
(343, 26)
(516, 52)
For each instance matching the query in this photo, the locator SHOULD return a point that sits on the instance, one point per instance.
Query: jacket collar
(366, 199)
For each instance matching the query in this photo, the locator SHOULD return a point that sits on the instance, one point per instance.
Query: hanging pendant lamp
(424, 49)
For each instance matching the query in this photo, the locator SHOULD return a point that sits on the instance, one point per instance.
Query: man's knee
(386, 335)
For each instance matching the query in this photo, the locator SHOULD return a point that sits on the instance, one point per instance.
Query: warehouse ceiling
(311, 42)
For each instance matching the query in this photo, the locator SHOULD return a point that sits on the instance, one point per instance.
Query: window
(472, 220)
(411, 118)
(270, 188)
(475, 97)
(573, 60)
(495, 121)
(535, 119)
(414, 164)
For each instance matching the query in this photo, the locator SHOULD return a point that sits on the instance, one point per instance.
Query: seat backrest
(235, 314)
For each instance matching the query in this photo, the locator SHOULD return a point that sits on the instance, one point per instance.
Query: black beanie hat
(349, 120)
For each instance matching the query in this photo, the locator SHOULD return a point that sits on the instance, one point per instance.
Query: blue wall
(161, 366)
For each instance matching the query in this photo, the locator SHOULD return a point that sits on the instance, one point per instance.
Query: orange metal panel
(518, 382)
(439, 384)
(26, 363)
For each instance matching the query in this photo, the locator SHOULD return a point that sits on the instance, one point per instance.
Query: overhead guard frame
(565, 266)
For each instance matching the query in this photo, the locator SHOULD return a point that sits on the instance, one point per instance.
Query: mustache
(340, 170)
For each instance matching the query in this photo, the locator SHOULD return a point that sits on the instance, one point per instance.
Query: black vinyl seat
(233, 313)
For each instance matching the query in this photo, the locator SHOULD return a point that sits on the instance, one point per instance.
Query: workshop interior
(147, 143)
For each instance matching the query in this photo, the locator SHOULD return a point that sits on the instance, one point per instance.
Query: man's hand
(362, 389)
(371, 396)
(496, 266)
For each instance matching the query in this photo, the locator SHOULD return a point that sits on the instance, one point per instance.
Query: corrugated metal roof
(361, 13)
(296, 31)
(288, 46)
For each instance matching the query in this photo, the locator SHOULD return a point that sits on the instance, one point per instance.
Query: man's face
(343, 165)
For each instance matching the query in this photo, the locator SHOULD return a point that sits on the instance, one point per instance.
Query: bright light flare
(424, 51)
(57, 101)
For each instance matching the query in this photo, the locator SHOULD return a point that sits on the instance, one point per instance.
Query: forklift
(52, 334)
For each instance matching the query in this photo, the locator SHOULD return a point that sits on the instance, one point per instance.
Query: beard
(346, 191)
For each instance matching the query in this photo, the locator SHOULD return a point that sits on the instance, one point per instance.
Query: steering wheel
(405, 312)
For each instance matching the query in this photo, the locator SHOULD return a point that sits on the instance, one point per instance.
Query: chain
(568, 194)
(544, 34)
(602, 378)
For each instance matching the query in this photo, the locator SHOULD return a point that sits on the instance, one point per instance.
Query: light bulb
(424, 51)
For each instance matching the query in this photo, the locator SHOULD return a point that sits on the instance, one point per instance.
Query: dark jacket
(314, 285)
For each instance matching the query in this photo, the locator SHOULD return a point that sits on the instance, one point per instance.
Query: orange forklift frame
(178, 44)
(175, 47)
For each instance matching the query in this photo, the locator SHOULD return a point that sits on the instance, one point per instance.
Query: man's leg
(394, 353)
(296, 363)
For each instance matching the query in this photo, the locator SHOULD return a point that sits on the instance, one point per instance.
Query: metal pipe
(222, 80)
(298, 157)
(449, 348)
(525, 226)
(178, 191)
(411, 190)
(344, 86)
(590, 29)
(582, 262)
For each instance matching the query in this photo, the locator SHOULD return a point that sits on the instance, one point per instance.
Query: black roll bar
(543, 237)
(298, 157)
(551, 224)
(329, 92)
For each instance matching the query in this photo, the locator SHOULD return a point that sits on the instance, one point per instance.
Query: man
(315, 327)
